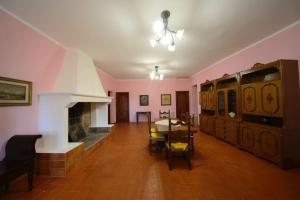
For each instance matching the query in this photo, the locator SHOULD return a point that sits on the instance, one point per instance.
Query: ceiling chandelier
(154, 75)
(164, 35)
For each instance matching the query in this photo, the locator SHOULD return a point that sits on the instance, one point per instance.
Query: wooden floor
(122, 169)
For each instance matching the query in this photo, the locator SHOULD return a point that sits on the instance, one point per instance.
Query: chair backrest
(149, 123)
(179, 135)
(21, 147)
(164, 114)
(187, 117)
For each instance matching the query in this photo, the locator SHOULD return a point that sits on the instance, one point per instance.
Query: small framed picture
(144, 100)
(166, 99)
(15, 92)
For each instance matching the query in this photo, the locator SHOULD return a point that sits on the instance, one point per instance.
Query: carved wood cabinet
(258, 110)
(208, 105)
(262, 99)
(264, 141)
(227, 112)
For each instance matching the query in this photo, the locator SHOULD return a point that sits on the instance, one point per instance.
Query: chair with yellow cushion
(191, 118)
(179, 143)
(155, 138)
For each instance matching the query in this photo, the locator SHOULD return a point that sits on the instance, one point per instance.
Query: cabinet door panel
(249, 99)
(247, 138)
(211, 125)
(220, 128)
(271, 99)
(211, 100)
(203, 123)
(204, 100)
(269, 144)
(231, 132)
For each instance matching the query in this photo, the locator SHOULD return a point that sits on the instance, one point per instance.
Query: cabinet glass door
(221, 103)
(231, 103)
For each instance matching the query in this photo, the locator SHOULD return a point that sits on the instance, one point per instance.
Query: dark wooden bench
(19, 160)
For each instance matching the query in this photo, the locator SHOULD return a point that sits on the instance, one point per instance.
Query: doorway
(122, 107)
(182, 103)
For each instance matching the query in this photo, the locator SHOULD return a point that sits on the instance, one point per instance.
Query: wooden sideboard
(257, 110)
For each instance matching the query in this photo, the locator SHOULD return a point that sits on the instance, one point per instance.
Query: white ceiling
(116, 33)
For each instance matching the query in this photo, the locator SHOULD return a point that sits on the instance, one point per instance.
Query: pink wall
(25, 55)
(284, 45)
(154, 89)
(144, 87)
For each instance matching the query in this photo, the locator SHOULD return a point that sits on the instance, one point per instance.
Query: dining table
(162, 126)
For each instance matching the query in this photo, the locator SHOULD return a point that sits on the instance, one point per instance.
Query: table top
(163, 126)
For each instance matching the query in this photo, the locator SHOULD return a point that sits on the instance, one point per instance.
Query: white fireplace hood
(77, 81)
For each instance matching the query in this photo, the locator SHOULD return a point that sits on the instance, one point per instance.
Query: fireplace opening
(79, 121)
(80, 125)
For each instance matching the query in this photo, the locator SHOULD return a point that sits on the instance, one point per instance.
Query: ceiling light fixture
(163, 34)
(154, 75)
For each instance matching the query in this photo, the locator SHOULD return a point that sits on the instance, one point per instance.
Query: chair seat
(178, 146)
(157, 136)
(153, 130)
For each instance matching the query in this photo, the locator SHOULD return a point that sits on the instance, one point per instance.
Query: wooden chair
(191, 119)
(179, 143)
(155, 138)
(19, 160)
(164, 114)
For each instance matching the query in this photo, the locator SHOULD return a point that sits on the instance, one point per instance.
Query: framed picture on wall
(144, 100)
(15, 92)
(166, 99)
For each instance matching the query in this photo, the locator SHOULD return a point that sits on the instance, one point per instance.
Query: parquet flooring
(122, 169)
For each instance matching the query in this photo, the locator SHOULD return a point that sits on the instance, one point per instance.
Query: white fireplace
(77, 81)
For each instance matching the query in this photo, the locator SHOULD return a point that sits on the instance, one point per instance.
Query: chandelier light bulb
(158, 26)
(171, 47)
(152, 75)
(179, 34)
(153, 43)
(161, 77)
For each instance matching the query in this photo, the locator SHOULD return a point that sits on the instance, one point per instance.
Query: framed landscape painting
(144, 100)
(166, 99)
(15, 92)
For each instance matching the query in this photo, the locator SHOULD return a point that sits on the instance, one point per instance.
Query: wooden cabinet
(207, 102)
(227, 130)
(231, 131)
(247, 138)
(207, 124)
(262, 99)
(227, 111)
(263, 141)
(270, 105)
(258, 110)
(207, 96)
(220, 128)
